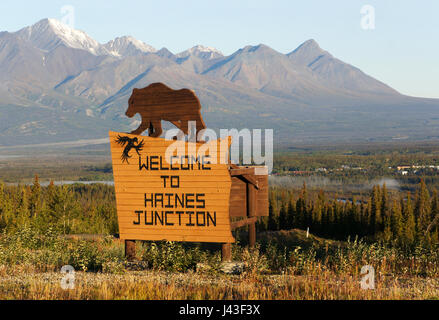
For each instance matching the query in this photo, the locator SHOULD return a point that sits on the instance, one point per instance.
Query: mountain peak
(258, 47)
(165, 53)
(47, 34)
(311, 43)
(260, 50)
(201, 52)
(307, 52)
(128, 46)
(309, 47)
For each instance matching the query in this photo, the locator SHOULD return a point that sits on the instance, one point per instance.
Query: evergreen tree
(272, 223)
(283, 216)
(409, 219)
(4, 208)
(318, 212)
(397, 226)
(35, 198)
(63, 208)
(433, 227)
(23, 207)
(300, 213)
(376, 218)
(291, 217)
(369, 218)
(331, 219)
(385, 212)
(422, 209)
(356, 216)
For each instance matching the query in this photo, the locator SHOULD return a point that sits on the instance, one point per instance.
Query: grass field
(159, 285)
(30, 264)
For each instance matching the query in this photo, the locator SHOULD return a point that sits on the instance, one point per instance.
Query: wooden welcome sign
(176, 190)
(172, 197)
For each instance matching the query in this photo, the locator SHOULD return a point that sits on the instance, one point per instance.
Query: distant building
(300, 172)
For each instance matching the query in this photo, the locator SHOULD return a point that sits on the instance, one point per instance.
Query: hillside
(58, 84)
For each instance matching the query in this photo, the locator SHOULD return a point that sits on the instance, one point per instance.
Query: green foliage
(49, 250)
(383, 215)
(31, 249)
(398, 232)
(171, 256)
(67, 208)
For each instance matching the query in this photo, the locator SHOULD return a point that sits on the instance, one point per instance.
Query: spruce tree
(300, 213)
(291, 217)
(433, 226)
(62, 207)
(23, 207)
(283, 216)
(35, 198)
(272, 225)
(409, 220)
(376, 218)
(422, 209)
(397, 225)
(385, 212)
(318, 212)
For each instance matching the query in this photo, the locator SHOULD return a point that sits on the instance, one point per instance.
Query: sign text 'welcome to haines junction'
(167, 194)
(189, 207)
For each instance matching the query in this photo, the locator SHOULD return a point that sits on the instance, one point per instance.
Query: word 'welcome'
(185, 162)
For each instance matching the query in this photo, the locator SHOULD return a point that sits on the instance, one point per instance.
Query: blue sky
(402, 50)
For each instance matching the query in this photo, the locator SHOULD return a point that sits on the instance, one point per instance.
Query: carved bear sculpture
(158, 102)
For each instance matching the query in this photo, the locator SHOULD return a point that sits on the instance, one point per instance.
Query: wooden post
(226, 252)
(130, 250)
(251, 207)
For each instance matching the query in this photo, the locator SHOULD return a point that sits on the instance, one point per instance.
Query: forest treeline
(401, 218)
(77, 208)
(397, 217)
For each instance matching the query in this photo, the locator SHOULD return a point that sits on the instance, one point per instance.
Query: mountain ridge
(304, 94)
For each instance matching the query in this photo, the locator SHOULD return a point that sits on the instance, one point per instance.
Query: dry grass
(30, 263)
(154, 285)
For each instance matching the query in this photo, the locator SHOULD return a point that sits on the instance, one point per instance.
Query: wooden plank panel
(218, 198)
(243, 222)
(194, 229)
(210, 186)
(209, 189)
(262, 195)
(183, 237)
(238, 198)
(238, 202)
(189, 177)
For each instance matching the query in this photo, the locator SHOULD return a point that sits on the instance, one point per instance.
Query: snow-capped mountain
(49, 34)
(201, 52)
(128, 46)
(58, 83)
